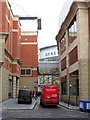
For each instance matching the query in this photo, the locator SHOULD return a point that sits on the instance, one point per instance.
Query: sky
(48, 10)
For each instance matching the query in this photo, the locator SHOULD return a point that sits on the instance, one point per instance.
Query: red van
(49, 95)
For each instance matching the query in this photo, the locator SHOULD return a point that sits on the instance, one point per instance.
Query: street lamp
(70, 87)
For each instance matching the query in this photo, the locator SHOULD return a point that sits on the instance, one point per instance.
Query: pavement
(72, 107)
(12, 104)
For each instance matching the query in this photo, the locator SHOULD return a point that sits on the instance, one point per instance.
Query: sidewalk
(72, 107)
(12, 104)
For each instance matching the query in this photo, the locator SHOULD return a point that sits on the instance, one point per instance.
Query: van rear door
(50, 94)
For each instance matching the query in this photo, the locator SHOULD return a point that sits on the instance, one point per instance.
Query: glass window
(63, 44)
(63, 64)
(73, 56)
(28, 71)
(64, 88)
(72, 30)
(22, 71)
(75, 87)
(25, 71)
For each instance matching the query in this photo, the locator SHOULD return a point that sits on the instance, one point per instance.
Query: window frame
(26, 74)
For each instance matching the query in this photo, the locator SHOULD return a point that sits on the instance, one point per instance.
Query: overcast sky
(48, 10)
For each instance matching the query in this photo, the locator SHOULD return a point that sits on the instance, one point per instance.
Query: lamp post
(70, 87)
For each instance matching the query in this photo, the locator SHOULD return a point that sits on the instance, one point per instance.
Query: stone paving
(12, 104)
(69, 107)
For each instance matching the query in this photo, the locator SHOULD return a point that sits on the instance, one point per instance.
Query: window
(73, 56)
(63, 64)
(72, 30)
(22, 71)
(75, 87)
(25, 71)
(28, 71)
(63, 44)
(64, 88)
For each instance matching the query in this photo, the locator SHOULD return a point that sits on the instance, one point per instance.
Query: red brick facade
(15, 47)
(29, 51)
(19, 50)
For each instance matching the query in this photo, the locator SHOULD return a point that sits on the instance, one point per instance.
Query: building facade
(10, 70)
(48, 65)
(73, 40)
(29, 57)
(48, 58)
(15, 54)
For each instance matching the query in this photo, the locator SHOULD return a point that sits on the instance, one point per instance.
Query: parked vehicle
(25, 96)
(49, 95)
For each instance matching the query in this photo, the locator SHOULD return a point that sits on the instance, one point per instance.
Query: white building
(48, 65)
(48, 59)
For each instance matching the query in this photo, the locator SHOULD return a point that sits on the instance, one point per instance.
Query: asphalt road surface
(43, 112)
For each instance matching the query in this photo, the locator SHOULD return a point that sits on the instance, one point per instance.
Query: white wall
(49, 52)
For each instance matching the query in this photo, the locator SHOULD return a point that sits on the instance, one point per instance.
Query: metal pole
(52, 79)
(69, 97)
(69, 94)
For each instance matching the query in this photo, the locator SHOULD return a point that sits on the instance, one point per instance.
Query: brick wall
(12, 44)
(29, 52)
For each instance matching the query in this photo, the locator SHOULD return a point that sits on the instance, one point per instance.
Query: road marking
(64, 108)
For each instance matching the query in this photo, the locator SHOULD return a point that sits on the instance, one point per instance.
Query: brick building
(29, 57)
(15, 54)
(73, 40)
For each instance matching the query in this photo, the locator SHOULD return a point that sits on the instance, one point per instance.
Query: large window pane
(72, 31)
(63, 44)
(64, 88)
(73, 56)
(63, 64)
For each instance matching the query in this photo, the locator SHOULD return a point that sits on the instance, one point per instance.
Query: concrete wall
(5, 83)
(83, 38)
(83, 43)
(28, 82)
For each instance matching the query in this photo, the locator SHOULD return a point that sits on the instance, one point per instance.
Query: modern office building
(48, 58)
(73, 40)
(48, 65)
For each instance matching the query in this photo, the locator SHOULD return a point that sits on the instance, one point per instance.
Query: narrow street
(43, 112)
(44, 59)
